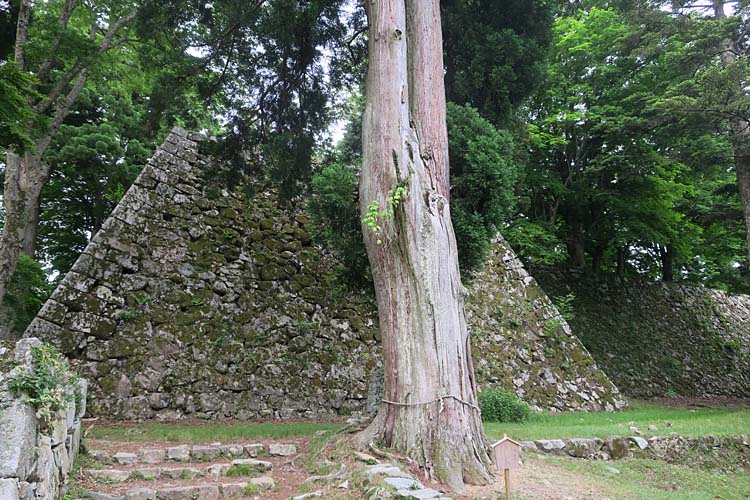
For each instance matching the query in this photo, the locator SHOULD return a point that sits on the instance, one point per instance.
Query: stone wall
(657, 339)
(35, 458)
(199, 300)
(706, 451)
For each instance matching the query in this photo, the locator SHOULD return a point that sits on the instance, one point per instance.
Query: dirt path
(542, 480)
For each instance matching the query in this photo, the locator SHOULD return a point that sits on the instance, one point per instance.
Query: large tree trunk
(24, 179)
(430, 410)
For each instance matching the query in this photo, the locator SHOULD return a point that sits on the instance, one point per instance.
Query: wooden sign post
(507, 456)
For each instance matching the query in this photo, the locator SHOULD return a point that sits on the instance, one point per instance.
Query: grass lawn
(685, 421)
(635, 479)
(205, 432)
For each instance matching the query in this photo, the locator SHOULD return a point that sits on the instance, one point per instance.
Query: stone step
(208, 491)
(195, 453)
(237, 468)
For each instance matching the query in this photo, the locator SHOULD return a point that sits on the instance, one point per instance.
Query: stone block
(180, 472)
(617, 447)
(282, 450)
(583, 447)
(253, 450)
(386, 470)
(639, 441)
(123, 458)
(140, 494)
(217, 470)
(202, 492)
(180, 453)
(147, 474)
(421, 494)
(234, 490)
(259, 465)
(205, 453)
(233, 450)
(18, 428)
(402, 483)
(9, 489)
(152, 456)
(110, 475)
(551, 445)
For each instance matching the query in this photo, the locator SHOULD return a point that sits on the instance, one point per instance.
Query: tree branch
(22, 32)
(65, 14)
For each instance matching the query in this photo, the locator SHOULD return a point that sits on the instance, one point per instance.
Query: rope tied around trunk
(440, 399)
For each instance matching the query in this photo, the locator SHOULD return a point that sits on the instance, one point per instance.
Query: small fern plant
(49, 385)
(375, 215)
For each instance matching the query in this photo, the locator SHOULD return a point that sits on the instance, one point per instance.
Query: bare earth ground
(541, 480)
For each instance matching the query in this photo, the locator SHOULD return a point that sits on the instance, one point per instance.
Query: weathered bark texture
(430, 409)
(25, 177)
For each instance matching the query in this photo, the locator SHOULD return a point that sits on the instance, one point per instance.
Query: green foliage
(49, 385)
(335, 222)
(239, 470)
(483, 174)
(535, 241)
(564, 305)
(26, 294)
(16, 118)
(375, 216)
(494, 62)
(499, 405)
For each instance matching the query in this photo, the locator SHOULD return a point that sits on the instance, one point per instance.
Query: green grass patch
(241, 470)
(638, 479)
(208, 432)
(684, 421)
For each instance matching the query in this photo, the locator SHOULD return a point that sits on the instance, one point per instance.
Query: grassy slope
(686, 422)
(635, 479)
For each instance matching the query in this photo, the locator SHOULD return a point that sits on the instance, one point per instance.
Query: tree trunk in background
(24, 180)
(430, 410)
(742, 167)
(31, 231)
(740, 134)
(622, 256)
(576, 245)
(667, 263)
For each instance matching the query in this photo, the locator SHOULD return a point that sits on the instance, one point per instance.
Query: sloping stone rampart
(657, 339)
(198, 300)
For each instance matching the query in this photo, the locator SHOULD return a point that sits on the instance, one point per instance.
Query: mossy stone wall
(197, 300)
(656, 339)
